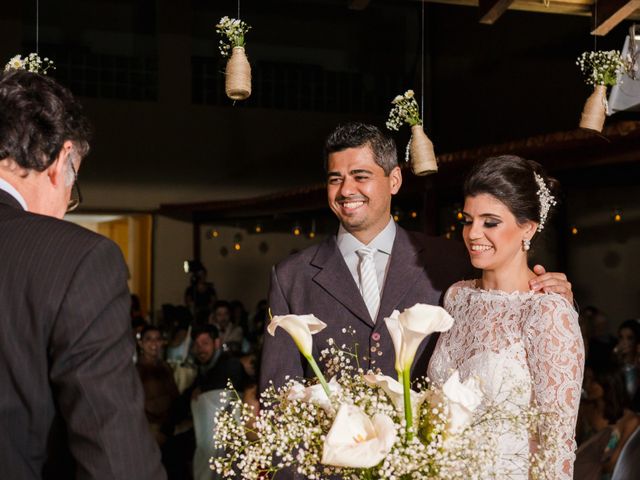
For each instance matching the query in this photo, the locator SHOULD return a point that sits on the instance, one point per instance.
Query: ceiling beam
(492, 10)
(358, 4)
(607, 14)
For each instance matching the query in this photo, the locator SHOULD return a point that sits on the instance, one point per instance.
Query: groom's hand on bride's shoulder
(551, 282)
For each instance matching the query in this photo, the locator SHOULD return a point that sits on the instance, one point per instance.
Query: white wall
(604, 258)
(172, 242)
(240, 275)
(244, 275)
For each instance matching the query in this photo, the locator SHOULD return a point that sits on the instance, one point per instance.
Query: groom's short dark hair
(355, 135)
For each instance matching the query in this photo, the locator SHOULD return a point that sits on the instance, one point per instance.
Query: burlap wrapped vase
(595, 109)
(423, 158)
(238, 75)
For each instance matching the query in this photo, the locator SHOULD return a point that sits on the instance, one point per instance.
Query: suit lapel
(404, 268)
(335, 278)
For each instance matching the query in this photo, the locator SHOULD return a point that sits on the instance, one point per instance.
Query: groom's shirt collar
(382, 243)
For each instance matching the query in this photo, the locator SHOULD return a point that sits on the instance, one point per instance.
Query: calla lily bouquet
(365, 425)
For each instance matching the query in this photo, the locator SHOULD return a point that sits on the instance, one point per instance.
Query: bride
(505, 335)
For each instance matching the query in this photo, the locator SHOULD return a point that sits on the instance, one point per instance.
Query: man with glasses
(71, 404)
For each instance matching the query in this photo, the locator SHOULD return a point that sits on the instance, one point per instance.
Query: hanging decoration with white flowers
(232, 45)
(419, 151)
(601, 70)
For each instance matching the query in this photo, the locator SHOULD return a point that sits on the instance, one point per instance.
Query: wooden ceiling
(606, 14)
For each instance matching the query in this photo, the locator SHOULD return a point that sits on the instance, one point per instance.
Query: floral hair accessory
(546, 200)
(31, 63)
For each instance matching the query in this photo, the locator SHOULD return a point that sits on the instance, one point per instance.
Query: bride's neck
(508, 278)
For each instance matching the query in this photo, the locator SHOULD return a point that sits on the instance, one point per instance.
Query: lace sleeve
(555, 354)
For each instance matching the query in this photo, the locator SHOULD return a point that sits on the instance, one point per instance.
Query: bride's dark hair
(511, 180)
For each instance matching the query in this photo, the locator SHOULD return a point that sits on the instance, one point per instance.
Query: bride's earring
(526, 244)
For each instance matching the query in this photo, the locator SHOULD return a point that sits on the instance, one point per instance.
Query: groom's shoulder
(436, 251)
(307, 255)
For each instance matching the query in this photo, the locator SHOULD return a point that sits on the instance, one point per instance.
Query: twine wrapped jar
(423, 158)
(595, 109)
(238, 75)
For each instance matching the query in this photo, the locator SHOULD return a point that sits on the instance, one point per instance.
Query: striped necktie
(368, 280)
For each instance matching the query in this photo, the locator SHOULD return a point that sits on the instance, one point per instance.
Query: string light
(414, 214)
(459, 216)
(574, 230)
(296, 230)
(214, 234)
(236, 246)
(617, 215)
(258, 228)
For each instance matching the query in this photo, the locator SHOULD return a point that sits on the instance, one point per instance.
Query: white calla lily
(409, 328)
(462, 400)
(395, 391)
(357, 441)
(315, 394)
(300, 327)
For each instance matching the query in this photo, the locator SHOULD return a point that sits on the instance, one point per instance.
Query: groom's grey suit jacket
(318, 281)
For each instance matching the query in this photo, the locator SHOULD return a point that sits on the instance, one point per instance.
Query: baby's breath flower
(602, 67)
(232, 31)
(31, 63)
(405, 110)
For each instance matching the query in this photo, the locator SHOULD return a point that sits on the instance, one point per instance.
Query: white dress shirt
(383, 243)
(10, 189)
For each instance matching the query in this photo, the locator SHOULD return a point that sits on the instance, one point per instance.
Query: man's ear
(57, 171)
(395, 180)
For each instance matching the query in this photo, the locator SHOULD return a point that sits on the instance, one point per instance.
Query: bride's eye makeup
(491, 223)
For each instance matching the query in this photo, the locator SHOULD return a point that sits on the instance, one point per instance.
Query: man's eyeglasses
(76, 196)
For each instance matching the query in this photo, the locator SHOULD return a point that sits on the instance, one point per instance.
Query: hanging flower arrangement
(31, 63)
(420, 149)
(238, 71)
(601, 70)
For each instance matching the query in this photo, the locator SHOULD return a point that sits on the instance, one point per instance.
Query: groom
(353, 280)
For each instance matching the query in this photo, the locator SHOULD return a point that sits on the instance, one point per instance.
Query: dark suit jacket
(318, 281)
(67, 380)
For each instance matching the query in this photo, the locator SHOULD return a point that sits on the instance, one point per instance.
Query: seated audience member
(627, 353)
(230, 334)
(260, 318)
(160, 390)
(215, 367)
(605, 411)
(601, 342)
(178, 321)
(239, 316)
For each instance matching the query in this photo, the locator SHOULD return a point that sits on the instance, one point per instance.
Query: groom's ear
(395, 180)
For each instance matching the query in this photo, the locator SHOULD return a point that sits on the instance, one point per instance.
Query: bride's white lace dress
(514, 340)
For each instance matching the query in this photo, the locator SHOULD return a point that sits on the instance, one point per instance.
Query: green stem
(319, 374)
(408, 413)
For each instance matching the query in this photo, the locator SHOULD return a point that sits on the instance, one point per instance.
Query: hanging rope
(422, 67)
(238, 9)
(38, 27)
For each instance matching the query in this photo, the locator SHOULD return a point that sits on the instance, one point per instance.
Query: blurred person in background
(627, 350)
(605, 412)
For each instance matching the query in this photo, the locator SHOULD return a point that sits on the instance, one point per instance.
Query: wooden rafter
(609, 13)
(492, 10)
